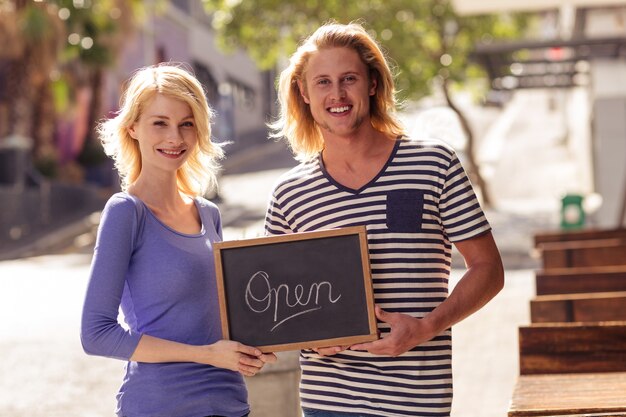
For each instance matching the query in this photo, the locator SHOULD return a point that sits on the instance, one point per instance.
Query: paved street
(44, 373)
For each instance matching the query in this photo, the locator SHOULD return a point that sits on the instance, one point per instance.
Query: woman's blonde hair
(199, 171)
(296, 122)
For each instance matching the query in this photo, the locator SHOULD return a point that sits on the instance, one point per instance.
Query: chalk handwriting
(261, 297)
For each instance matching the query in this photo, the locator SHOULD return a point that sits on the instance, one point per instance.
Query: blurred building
(242, 95)
(582, 48)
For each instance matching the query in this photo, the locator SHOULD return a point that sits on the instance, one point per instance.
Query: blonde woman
(153, 258)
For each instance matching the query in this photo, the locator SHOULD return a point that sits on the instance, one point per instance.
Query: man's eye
(323, 82)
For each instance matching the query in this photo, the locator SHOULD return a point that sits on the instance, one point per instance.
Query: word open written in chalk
(285, 302)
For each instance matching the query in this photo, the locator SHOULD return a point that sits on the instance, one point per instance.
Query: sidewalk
(530, 165)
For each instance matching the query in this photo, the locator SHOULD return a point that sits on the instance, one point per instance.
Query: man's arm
(483, 279)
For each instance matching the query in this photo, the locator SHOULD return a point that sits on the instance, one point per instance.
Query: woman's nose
(176, 137)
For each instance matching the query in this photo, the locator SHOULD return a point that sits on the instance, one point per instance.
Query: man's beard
(355, 125)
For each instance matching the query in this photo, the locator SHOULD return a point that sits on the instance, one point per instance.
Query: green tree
(50, 48)
(428, 43)
(32, 36)
(97, 32)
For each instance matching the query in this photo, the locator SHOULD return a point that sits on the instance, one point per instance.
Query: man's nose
(338, 91)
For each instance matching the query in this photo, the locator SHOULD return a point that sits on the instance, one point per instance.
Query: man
(338, 113)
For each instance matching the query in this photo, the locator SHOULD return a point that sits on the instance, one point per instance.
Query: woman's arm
(101, 333)
(222, 354)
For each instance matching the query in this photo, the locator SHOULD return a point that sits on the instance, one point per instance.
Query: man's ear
(374, 84)
(302, 89)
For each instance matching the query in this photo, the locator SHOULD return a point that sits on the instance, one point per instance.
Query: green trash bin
(572, 212)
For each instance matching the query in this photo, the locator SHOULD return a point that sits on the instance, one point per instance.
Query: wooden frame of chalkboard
(297, 291)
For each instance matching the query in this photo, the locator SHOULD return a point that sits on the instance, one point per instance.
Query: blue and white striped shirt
(418, 204)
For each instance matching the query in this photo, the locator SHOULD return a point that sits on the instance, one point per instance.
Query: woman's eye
(160, 123)
(187, 124)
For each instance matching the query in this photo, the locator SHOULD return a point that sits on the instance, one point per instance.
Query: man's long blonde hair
(296, 122)
(171, 80)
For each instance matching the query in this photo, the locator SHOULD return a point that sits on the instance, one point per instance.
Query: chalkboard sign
(297, 291)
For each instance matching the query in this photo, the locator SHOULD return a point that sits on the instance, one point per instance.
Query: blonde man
(338, 113)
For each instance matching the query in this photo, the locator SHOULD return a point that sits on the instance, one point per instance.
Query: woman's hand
(238, 357)
(225, 354)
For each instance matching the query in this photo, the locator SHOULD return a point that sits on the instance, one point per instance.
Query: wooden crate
(584, 307)
(583, 253)
(548, 348)
(581, 280)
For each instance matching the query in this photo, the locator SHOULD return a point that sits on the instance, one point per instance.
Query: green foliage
(423, 38)
(61, 95)
(35, 24)
(96, 29)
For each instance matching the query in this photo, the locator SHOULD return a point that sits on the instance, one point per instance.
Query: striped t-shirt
(418, 204)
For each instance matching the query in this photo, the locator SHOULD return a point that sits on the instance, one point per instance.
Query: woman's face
(166, 133)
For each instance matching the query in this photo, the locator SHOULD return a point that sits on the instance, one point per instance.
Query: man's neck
(354, 162)
(361, 146)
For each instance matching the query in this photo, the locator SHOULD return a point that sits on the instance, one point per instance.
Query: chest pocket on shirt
(404, 210)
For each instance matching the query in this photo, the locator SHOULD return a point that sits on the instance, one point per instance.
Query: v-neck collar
(342, 187)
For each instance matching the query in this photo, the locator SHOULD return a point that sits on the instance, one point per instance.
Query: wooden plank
(581, 280)
(584, 253)
(589, 394)
(581, 308)
(546, 348)
(585, 234)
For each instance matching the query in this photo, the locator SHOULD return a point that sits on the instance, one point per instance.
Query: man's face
(337, 89)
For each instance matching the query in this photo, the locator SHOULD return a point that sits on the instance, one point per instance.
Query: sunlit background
(531, 94)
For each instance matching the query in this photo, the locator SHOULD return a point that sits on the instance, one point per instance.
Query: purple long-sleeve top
(164, 282)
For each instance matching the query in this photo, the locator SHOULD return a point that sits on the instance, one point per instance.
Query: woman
(153, 258)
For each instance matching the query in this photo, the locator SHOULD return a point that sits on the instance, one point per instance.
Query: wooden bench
(548, 348)
(571, 369)
(585, 234)
(581, 308)
(573, 356)
(581, 280)
(586, 394)
(583, 253)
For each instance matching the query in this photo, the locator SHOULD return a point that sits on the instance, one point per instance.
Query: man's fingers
(383, 315)
(361, 346)
(330, 350)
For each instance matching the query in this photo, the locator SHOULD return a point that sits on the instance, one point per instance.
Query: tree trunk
(473, 167)
(20, 93)
(95, 108)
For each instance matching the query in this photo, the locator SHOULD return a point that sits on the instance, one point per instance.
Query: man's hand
(405, 333)
(330, 350)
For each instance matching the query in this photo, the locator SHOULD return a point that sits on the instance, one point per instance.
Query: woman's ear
(302, 89)
(132, 132)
